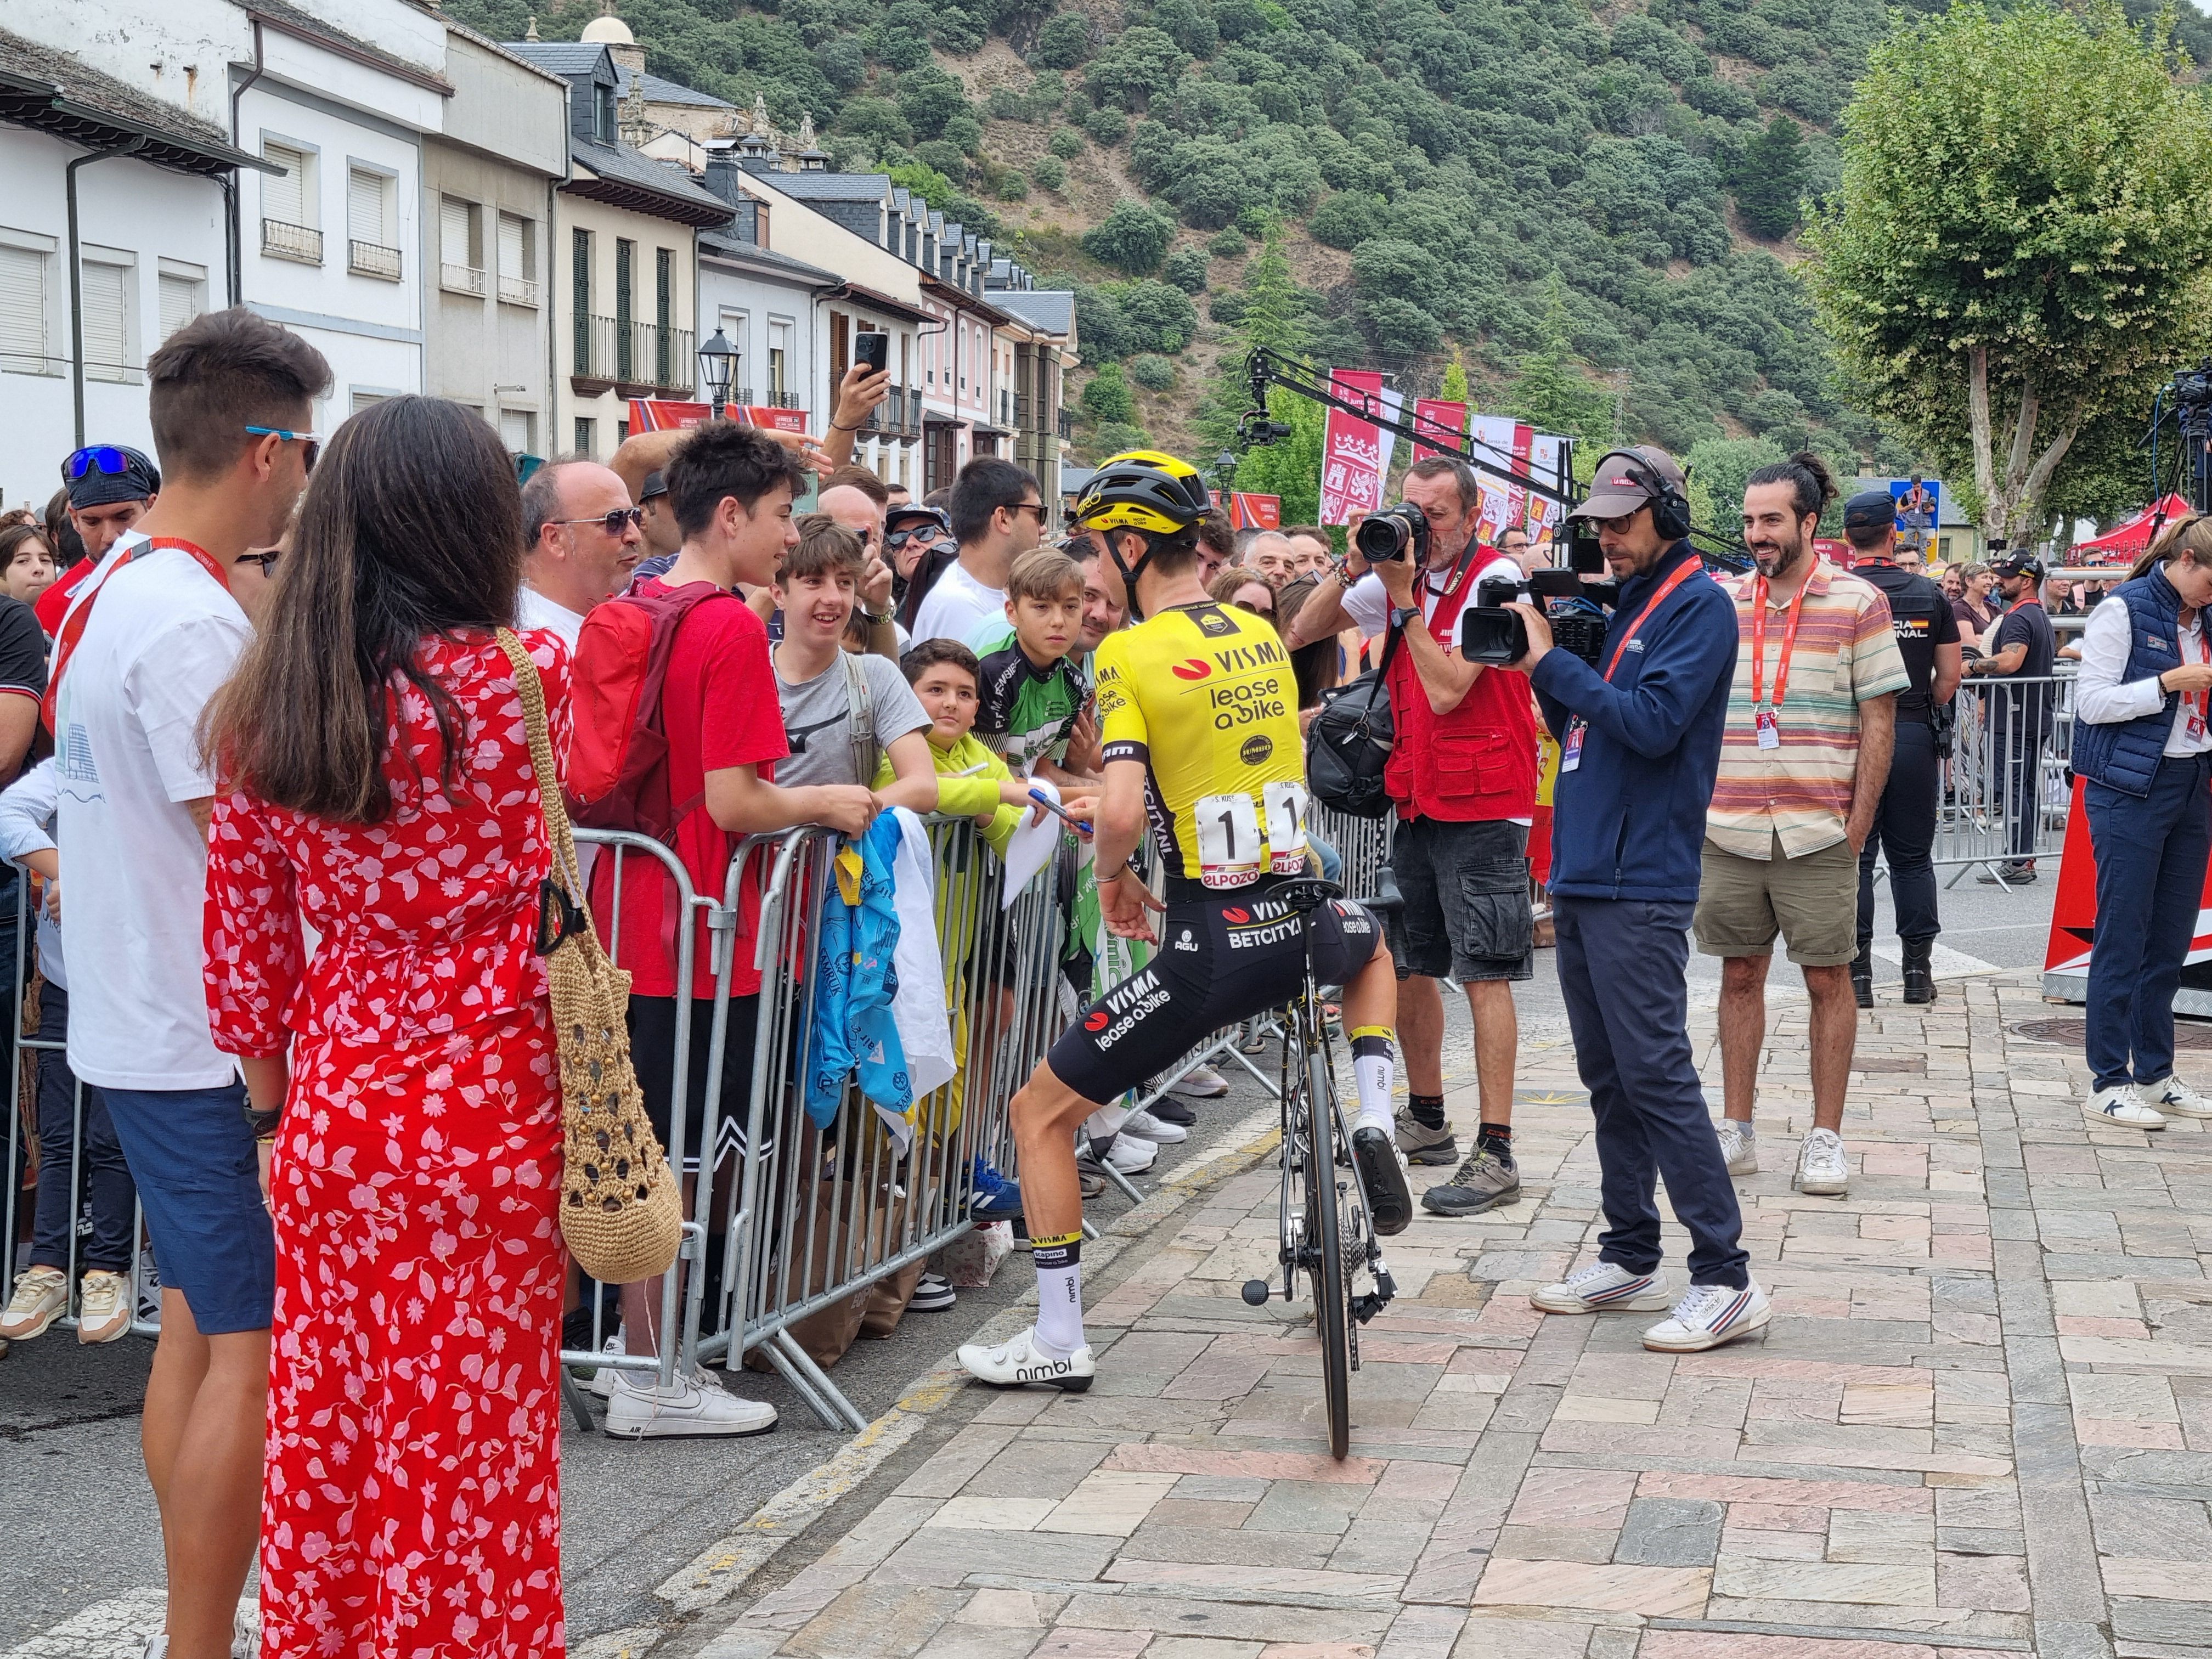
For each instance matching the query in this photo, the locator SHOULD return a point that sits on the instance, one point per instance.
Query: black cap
(1868, 509)
(2017, 564)
(655, 483)
(906, 515)
(110, 473)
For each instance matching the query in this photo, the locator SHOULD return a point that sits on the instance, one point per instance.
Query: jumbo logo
(1237, 915)
(1098, 1021)
(1197, 668)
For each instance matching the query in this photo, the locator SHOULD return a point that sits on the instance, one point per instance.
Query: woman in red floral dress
(391, 814)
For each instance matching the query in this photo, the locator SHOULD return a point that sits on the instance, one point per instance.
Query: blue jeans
(2151, 854)
(1622, 972)
(104, 1177)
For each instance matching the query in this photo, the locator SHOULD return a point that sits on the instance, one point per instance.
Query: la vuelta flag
(1248, 511)
(1355, 454)
(1433, 415)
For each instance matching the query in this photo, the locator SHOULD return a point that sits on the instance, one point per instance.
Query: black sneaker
(1484, 1181)
(2009, 875)
(1382, 1174)
(1168, 1109)
(933, 1293)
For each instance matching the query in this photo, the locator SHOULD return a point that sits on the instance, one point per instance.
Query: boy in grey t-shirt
(842, 711)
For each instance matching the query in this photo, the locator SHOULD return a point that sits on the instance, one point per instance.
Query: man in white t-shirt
(580, 540)
(145, 645)
(1463, 777)
(997, 514)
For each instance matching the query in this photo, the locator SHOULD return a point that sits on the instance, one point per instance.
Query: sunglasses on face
(1256, 609)
(1037, 508)
(314, 441)
(267, 561)
(106, 457)
(613, 523)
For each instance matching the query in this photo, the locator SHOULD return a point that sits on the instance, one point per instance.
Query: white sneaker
(2176, 1099)
(103, 1311)
(1601, 1285)
(690, 1407)
(1131, 1156)
(603, 1379)
(1144, 1126)
(157, 1646)
(1202, 1083)
(1822, 1169)
(1739, 1149)
(1710, 1314)
(2121, 1106)
(1016, 1361)
(149, 1290)
(41, 1297)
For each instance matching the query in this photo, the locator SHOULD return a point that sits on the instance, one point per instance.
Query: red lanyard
(1683, 572)
(72, 629)
(1759, 640)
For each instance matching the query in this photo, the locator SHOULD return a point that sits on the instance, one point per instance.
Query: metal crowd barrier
(2005, 788)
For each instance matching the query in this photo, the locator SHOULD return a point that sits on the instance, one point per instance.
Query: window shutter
(107, 335)
(181, 302)
(511, 262)
(514, 430)
(23, 305)
(624, 249)
(283, 195)
(454, 232)
(365, 207)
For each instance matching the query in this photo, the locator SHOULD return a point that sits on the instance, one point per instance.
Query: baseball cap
(1627, 479)
(100, 475)
(654, 484)
(1868, 509)
(912, 515)
(2017, 564)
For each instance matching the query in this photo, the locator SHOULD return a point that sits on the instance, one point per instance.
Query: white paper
(1031, 846)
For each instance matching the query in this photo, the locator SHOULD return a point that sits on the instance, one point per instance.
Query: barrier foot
(572, 1392)
(814, 1386)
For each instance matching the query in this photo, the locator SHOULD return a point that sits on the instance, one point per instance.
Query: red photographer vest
(1475, 764)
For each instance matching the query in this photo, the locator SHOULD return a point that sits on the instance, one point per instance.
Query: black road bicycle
(1327, 1230)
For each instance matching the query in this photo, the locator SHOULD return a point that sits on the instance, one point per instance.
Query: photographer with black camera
(1462, 772)
(1639, 747)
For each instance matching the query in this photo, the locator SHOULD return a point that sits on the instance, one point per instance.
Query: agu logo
(1098, 1022)
(1197, 668)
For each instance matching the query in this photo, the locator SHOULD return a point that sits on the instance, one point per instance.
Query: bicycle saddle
(1306, 893)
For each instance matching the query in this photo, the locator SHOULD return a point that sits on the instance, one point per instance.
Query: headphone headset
(1670, 510)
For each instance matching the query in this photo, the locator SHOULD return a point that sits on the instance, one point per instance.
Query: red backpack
(618, 751)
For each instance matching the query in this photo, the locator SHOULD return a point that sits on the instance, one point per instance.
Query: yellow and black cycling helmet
(1144, 490)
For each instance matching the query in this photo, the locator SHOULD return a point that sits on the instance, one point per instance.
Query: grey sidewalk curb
(719, 1572)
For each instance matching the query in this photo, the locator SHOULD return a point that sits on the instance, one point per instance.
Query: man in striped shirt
(1811, 720)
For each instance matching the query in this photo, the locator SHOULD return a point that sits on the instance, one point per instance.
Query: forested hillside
(1611, 190)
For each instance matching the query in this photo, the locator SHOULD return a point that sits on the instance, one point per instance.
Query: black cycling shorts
(1221, 959)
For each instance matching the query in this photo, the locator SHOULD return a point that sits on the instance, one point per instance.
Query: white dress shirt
(2102, 697)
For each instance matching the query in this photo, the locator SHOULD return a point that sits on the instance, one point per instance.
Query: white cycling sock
(1371, 1071)
(1060, 1294)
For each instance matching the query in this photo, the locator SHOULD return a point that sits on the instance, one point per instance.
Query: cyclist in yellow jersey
(1199, 720)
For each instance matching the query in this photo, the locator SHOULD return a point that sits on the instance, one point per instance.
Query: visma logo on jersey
(1131, 1002)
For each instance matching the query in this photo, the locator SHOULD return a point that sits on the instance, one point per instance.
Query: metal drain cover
(2072, 1033)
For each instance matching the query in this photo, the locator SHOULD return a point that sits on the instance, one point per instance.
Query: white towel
(918, 1010)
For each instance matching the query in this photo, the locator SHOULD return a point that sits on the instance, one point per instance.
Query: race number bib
(1285, 803)
(1228, 840)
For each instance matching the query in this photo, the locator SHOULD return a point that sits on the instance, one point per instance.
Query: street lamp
(1224, 468)
(718, 366)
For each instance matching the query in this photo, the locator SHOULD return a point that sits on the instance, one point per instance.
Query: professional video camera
(1394, 533)
(1492, 636)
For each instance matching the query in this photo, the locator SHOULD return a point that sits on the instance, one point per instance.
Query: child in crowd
(1032, 692)
(27, 562)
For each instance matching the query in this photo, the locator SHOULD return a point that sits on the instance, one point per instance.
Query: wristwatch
(1404, 615)
(874, 621)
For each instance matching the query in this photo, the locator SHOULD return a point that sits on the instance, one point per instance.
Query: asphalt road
(80, 1521)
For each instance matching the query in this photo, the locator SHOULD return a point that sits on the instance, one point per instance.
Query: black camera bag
(1349, 744)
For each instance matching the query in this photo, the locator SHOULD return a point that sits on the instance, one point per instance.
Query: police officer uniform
(1905, 827)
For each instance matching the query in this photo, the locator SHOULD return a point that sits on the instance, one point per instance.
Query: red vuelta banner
(1433, 415)
(660, 415)
(1249, 512)
(1352, 451)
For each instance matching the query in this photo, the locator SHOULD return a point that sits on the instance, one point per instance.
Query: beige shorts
(1812, 901)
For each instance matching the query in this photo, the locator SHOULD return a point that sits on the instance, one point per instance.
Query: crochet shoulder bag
(622, 1212)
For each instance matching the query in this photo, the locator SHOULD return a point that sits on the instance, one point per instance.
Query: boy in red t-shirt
(730, 490)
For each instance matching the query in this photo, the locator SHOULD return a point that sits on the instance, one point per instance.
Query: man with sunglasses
(581, 539)
(997, 514)
(110, 488)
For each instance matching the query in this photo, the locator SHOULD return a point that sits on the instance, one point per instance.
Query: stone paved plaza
(1979, 1423)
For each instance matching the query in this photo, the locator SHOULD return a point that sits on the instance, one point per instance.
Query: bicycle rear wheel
(1325, 1258)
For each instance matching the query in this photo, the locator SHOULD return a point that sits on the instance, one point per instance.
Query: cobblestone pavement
(1979, 1423)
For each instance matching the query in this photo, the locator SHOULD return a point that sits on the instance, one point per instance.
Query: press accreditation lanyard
(2197, 701)
(1571, 746)
(1766, 716)
(72, 629)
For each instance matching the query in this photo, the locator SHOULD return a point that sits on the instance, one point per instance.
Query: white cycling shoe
(1015, 1362)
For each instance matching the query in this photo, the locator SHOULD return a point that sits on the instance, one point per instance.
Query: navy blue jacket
(2125, 754)
(1629, 822)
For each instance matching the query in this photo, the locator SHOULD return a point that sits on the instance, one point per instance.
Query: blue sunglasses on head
(107, 457)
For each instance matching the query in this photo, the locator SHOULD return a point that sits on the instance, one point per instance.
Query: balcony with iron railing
(517, 290)
(300, 243)
(1067, 424)
(635, 358)
(461, 279)
(373, 259)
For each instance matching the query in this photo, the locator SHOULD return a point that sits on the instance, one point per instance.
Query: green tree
(1717, 468)
(1454, 389)
(1131, 237)
(1770, 179)
(1107, 397)
(1549, 389)
(2056, 264)
(1065, 41)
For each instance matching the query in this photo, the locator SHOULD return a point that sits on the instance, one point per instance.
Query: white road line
(113, 1629)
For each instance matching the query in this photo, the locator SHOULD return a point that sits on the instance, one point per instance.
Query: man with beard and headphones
(1811, 722)
(1639, 738)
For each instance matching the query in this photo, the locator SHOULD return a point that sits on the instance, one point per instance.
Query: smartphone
(872, 352)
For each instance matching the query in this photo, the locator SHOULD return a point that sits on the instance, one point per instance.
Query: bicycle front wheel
(1332, 1314)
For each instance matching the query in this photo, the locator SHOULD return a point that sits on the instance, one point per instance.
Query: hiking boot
(1484, 1181)
(1421, 1143)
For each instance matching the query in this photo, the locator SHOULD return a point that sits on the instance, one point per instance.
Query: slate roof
(833, 186)
(562, 57)
(618, 164)
(1050, 309)
(54, 92)
(658, 91)
(720, 244)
